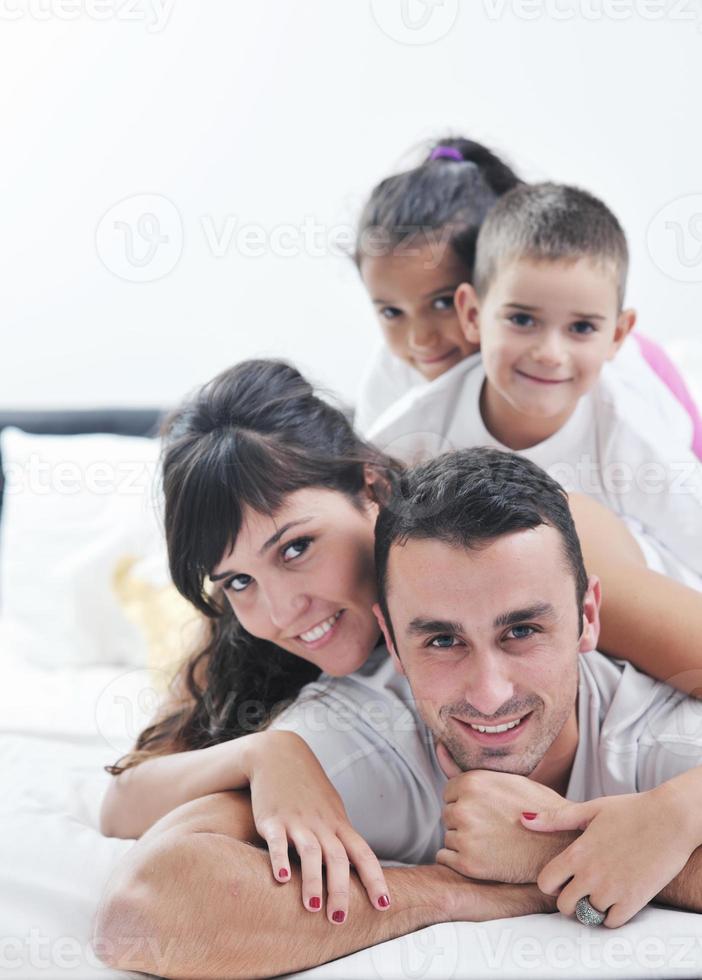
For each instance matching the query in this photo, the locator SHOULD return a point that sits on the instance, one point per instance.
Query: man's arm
(195, 899)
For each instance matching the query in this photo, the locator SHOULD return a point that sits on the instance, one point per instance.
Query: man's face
(489, 638)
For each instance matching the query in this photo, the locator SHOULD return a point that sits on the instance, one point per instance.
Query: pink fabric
(659, 361)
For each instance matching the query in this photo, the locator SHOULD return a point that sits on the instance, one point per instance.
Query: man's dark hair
(471, 497)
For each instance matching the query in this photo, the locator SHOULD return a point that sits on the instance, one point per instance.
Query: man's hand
(631, 848)
(485, 837)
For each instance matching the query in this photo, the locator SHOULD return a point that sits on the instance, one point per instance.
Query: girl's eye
(583, 327)
(390, 312)
(522, 319)
(443, 302)
(521, 632)
(296, 548)
(237, 583)
(444, 642)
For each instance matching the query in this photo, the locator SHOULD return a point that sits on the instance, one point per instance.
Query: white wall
(280, 114)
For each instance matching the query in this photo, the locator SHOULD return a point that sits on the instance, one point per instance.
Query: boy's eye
(237, 583)
(522, 319)
(389, 312)
(443, 302)
(583, 327)
(296, 548)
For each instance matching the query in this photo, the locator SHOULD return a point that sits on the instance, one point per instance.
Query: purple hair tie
(446, 152)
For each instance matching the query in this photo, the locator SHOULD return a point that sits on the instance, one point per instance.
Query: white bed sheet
(54, 740)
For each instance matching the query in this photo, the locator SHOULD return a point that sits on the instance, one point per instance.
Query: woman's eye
(296, 548)
(443, 642)
(522, 320)
(389, 312)
(443, 302)
(238, 583)
(583, 327)
(521, 632)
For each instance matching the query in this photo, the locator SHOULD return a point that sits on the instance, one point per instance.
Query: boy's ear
(388, 639)
(626, 322)
(468, 311)
(591, 616)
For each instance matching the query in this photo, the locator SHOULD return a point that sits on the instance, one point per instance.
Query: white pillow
(74, 508)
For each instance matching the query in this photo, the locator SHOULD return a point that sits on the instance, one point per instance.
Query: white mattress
(57, 729)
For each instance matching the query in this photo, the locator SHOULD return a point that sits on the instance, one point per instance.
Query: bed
(81, 675)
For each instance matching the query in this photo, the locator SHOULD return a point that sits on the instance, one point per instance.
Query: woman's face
(305, 578)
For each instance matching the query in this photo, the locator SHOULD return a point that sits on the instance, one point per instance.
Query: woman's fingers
(276, 838)
(368, 869)
(310, 854)
(337, 867)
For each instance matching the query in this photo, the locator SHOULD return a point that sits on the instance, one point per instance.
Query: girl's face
(412, 290)
(305, 578)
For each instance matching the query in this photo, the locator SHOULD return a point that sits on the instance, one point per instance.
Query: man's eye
(237, 583)
(444, 642)
(443, 302)
(583, 327)
(390, 312)
(522, 320)
(296, 548)
(522, 632)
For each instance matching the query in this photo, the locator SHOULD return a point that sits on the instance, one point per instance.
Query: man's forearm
(685, 890)
(204, 905)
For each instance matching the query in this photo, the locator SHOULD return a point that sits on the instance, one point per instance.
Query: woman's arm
(646, 618)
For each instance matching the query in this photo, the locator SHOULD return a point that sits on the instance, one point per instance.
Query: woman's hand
(632, 846)
(295, 804)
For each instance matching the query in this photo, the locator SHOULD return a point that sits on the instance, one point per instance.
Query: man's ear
(626, 322)
(388, 639)
(591, 616)
(468, 311)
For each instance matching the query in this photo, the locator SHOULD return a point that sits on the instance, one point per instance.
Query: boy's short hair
(551, 222)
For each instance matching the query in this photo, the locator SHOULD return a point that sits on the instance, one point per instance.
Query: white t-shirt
(387, 378)
(634, 734)
(618, 446)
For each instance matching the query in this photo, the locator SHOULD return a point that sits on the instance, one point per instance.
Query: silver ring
(588, 914)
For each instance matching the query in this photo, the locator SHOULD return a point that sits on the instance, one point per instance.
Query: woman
(270, 502)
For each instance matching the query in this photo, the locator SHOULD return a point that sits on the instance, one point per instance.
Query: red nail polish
(283, 873)
(315, 903)
(530, 816)
(339, 916)
(383, 901)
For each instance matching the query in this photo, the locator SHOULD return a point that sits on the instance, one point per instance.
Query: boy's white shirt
(627, 445)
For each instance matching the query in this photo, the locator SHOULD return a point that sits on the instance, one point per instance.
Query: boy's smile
(545, 329)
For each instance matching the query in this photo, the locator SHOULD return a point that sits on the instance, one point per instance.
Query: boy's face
(412, 290)
(545, 330)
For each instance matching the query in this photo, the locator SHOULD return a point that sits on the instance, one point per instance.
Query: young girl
(416, 243)
(257, 443)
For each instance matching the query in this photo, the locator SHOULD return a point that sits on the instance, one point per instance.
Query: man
(489, 615)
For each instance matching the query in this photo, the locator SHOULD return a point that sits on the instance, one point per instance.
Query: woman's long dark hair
(452, 191)
(247, 439)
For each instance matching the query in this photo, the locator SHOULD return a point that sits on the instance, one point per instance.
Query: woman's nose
(286, 609)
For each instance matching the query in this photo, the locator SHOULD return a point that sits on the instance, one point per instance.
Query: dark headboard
(73, 422)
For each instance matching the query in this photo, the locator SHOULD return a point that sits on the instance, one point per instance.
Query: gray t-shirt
(634, 733)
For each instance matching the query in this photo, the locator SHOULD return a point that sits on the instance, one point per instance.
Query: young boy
(547, 309)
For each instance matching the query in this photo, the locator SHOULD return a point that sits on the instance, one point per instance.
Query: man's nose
(286, 607)
(488, 687)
